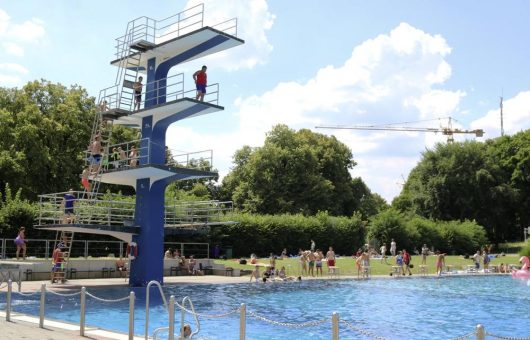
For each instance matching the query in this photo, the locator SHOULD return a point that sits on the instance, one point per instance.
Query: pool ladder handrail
(156, 283)
(182, 315)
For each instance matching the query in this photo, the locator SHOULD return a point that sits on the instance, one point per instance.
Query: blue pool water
(420, 308)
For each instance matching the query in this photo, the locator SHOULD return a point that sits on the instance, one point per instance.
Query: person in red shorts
(200, 83)
(330, 257)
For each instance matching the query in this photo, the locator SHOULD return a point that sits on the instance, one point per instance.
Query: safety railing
(202, 160)
(158, 31)
(43, 248)
(200, 212)
(156, 92)
(133, 153)
(115, 210)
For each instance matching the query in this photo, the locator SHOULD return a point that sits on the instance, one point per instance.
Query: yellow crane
(447, 131)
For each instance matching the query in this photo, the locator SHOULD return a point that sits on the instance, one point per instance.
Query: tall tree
(461, 181)
(293, 172)
(44, 128)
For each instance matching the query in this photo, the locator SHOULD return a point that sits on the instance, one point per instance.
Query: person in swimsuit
(311, 257)
(303, 263)
(440, 263)
(68, 205)
(137, 86)
(201, 81)
(318, 261)
(20, 242)
(330, 256)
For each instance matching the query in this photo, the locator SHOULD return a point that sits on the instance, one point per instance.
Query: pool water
(419, 308)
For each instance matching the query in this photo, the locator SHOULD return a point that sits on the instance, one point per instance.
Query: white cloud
(516, 116)
(253, 18)
(13, 49)
(13, 68)
(14, 37)
(30, 31)
(11, 74)
(387, 79)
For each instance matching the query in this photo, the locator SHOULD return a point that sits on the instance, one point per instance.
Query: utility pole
(502, 123)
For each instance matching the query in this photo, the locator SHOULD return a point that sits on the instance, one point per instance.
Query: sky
(307, 63)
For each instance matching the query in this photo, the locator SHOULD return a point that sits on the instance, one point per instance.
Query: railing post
(47, 254)
(86, 249)
(131, 316)
(481, 332)
(4, 248)
(42, 302)
(8, 300)
(335, 326)
(242, 321)
(82, 312)
(171, 317)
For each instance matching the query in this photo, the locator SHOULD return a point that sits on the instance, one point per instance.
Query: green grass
(347, 264)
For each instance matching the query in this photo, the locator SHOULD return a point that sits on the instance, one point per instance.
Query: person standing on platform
(137, 87)
(200, 78)
(393, 247)
(20, 242)
(68, 205)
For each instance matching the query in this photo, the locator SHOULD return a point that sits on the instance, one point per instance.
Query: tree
(461, 181)
(293, 172)
(44, 128)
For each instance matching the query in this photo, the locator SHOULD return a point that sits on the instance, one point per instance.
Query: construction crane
(447, 131)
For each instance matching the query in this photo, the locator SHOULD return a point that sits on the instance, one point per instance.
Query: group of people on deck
(189, 265)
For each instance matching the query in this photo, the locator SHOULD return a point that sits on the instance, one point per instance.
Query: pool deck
(27, 327)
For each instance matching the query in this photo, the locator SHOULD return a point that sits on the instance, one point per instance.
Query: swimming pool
(424, 308)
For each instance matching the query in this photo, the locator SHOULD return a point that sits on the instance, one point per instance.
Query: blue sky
(307, 63)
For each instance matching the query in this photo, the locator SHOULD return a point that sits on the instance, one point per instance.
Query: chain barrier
(61, 294)
(27, 294)
(207, 316)
(107, 300)
(361, 331)
(505, 337)
(289, 324)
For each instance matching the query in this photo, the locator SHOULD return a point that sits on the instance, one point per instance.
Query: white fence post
(481, 332)
(242, 321)
(335, 326)
(82, 312)
(8, 299)
(42, 302)
(171, 317)
(131, 316)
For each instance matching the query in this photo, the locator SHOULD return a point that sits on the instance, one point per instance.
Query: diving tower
(149, 48)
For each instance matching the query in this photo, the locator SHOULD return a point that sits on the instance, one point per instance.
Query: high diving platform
(147, 97)
(184, 47)
(177, 109)
(113, 215)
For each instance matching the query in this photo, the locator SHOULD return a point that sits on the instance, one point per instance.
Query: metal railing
(133, 153)
(119, 97)
(158, 31)
(115, 210)
(43, 248)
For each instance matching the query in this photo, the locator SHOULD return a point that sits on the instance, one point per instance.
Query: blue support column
(149, 214)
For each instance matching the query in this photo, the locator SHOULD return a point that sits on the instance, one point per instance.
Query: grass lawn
(347, 264)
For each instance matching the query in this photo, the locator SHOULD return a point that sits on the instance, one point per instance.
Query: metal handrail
(109, 209)
(156, 283)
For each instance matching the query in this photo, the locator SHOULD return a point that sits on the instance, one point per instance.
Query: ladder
(130, 58)
(103, 128)
(63, 240)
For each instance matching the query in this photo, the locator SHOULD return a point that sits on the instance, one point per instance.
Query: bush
(412, 231)
(15, 213)
(263, 234)
(525, 251)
